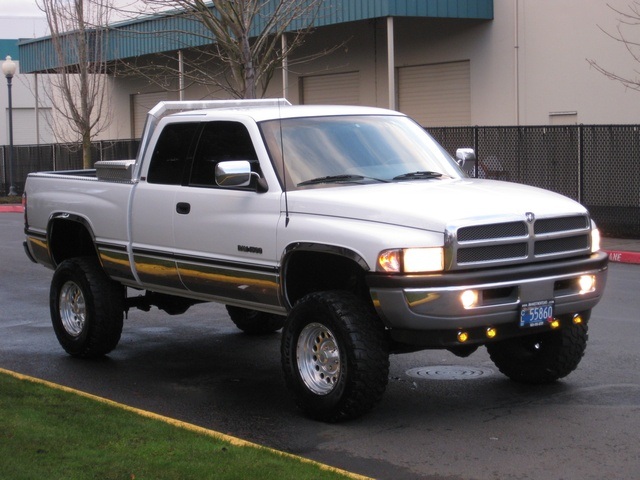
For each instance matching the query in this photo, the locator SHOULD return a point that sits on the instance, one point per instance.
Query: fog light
(555, 323)
(463, 337)
(469, 298)
(491, 332)
(587, 283)
(577, 319)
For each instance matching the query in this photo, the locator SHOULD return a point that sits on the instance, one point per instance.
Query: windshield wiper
(418, 175)
(338, 179)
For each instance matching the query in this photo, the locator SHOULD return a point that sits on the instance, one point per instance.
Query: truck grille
(518, 241)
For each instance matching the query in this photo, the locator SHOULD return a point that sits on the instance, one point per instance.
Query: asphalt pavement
(441, 417)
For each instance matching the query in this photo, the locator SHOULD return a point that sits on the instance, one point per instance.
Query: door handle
(183, 208)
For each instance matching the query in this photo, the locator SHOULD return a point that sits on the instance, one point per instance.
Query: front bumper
(423, 303)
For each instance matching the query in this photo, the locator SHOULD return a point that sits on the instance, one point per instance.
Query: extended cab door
(154, 207)
(225, 237)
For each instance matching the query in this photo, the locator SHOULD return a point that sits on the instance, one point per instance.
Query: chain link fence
(43, 158)
(593, 164)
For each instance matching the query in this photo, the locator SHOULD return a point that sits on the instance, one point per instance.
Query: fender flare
(59, 217)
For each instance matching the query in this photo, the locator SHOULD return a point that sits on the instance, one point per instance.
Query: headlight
(595, 240)
(411, 260)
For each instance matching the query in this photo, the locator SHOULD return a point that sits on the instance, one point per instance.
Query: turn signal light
(555, 323)
(577, 319)
(463, 337)
(491, 332)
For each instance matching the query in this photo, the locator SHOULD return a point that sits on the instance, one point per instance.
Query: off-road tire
(254, 322)
(541, 358)
(334, 356)
(86, 308)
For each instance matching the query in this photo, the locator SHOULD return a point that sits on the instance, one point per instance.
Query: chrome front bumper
(432, 302)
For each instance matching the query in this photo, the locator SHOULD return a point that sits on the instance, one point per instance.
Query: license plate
(535, 314)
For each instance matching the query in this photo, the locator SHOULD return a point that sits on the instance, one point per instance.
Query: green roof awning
(156, 34)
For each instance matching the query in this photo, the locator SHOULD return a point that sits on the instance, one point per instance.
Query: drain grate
(449, 372)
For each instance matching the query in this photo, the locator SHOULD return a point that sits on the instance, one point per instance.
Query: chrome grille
(560, 224)
(498, 230)
(517, 241)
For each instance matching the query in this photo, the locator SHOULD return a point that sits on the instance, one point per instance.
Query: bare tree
(78, 89)
(243, 37)
(627, 21)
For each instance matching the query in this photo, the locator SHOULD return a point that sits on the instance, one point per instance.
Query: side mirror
(464, 155)
(237, 173)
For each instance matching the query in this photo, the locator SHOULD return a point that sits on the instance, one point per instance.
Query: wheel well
(310, 271)
(70, 238)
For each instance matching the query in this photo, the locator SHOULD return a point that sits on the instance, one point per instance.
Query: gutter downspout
(285, 67)
(516, 55)
(37, 110)
(180, 75)
(391, 62)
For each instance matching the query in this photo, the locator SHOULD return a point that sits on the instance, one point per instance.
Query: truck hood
(432, 204)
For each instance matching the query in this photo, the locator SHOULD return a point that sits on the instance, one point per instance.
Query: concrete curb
(11, 209)
(238, 442)
(623, 257)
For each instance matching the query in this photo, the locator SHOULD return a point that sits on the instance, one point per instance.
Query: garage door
(141, 103)
(334, 89)
(436, 95)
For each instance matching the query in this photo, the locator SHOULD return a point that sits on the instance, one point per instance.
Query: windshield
(330, 151)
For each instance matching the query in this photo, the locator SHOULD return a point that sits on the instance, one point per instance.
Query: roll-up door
(436, 95)
(141, 103)
(334, 89)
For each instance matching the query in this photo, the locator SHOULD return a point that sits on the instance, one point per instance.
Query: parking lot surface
(442, 417)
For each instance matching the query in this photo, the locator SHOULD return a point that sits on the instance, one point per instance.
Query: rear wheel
(86, 308)
(254, 322)
(541, 358)
(334, 356)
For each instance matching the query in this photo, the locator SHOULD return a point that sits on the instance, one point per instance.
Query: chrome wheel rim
(318, 358)
(73, 309)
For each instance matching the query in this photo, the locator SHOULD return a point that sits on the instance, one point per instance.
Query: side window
(171, 153)
(220, 141)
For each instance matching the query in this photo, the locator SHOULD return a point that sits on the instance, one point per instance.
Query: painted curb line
(11, 209)
(235, 441)
(623, 257)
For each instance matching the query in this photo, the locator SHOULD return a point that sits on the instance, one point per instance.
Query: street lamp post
(9, 70)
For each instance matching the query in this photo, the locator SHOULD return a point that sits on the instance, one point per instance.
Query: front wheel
(86, 308)
(541, 358)
(334, 356)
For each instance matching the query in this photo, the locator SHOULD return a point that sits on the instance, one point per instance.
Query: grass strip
(55, 433)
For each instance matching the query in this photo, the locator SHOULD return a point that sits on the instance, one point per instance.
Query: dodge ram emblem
(530, 217)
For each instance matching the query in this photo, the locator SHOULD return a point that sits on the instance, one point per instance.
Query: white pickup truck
(348, 227)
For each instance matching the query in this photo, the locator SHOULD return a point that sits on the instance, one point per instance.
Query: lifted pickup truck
(348, 227)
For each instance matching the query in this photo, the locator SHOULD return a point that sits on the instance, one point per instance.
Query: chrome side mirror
(464, 155)
(237, 173)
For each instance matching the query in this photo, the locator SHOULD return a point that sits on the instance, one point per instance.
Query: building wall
(556, 39)
(23, 98)
(527, 66)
